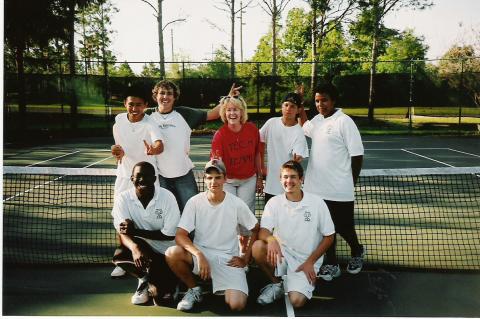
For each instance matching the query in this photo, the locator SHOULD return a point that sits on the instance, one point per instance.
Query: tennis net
(415, 218)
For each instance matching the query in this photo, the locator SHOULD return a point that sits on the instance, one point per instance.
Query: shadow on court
(89, 291)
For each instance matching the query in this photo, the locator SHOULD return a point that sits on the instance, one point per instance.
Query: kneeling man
(214, 215)
(146, 218)
(296, 230)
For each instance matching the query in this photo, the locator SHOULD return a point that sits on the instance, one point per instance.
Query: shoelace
(329, 269)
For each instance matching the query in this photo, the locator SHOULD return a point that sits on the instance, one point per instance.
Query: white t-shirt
(174, 160)
(130, 136)
(335, 140)
(282, 142)
(162, 214)
(216, 226)
(300, 226)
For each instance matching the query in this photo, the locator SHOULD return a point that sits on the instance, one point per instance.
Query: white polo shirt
(282, 142)
(130, 136)
(335, 140)
(216, 226)
(174, 160)
(299, 226)
(162, 214)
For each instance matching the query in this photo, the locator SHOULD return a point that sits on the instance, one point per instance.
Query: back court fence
(407, 218)
(48, 93)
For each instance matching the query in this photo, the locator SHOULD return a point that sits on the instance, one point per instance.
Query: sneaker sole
(354, 272)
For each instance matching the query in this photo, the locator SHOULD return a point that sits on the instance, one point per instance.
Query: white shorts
(297, 281)
(223, 276)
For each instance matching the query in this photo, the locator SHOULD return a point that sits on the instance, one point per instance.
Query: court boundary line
(426, 157)
(454, 150)
(53, 158)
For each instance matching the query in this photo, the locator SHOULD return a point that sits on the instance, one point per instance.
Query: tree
(326, 16)
(274, 9)
(123, 70)
(461, 65)
(160, 27)
(403, 47)
(30, 23)
(375, 11)
(150, 70)
(230, 9)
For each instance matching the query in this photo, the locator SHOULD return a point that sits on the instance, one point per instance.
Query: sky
(207, 28)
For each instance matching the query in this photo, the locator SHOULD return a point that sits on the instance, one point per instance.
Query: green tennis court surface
(422, 234)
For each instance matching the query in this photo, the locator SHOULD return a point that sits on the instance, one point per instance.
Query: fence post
(410, 99)
(258, 89)
(461, 88)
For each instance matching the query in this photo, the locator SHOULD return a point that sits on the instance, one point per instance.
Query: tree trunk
(71, 62)
(22, 103)
(313, 73)
(373, 71)
(160, 40)
(232, 40)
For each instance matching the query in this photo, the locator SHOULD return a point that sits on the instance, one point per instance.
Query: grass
(93, 120)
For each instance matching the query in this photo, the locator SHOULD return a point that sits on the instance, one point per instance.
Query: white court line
(98, 161)
(431, 159)
(51, 159)
(453, 150)
(288, 304)
(401, 149)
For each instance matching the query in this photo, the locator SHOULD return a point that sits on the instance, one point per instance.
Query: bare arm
(357, 162)
(274, 251)
(182, 240)
(214, 113)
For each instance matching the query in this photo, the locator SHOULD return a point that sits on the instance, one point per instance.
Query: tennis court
(411, 269)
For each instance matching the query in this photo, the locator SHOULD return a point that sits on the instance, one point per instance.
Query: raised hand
(234, 91)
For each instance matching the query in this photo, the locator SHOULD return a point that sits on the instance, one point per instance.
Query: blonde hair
(236, 101)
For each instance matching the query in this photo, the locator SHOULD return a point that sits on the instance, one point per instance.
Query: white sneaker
(270, 293)
(141, 296)
(192, 296)
(328, 272)
(118, 272)
(355, 264)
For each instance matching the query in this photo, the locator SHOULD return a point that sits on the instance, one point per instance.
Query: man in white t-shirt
(175, 167)
(137, 139)
(296, 230)
(285, 140)
(146, 217)
(214, 215)
(335, 162)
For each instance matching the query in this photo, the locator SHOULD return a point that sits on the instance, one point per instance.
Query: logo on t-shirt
(329, 129)
(307, 216)
(166, 125)
(159, 213)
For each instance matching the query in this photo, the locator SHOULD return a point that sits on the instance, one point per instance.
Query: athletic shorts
(297, 281)
(223, 276)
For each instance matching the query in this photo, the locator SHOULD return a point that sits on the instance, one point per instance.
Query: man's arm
(357, 162)
(128, 228)
(308, 266)
(274, 251)
(183, 240)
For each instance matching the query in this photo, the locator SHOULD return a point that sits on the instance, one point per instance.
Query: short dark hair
(169, 85)
(136, 91)
(294, 98)
(294, 165)
(147, 167)
(329, 89)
